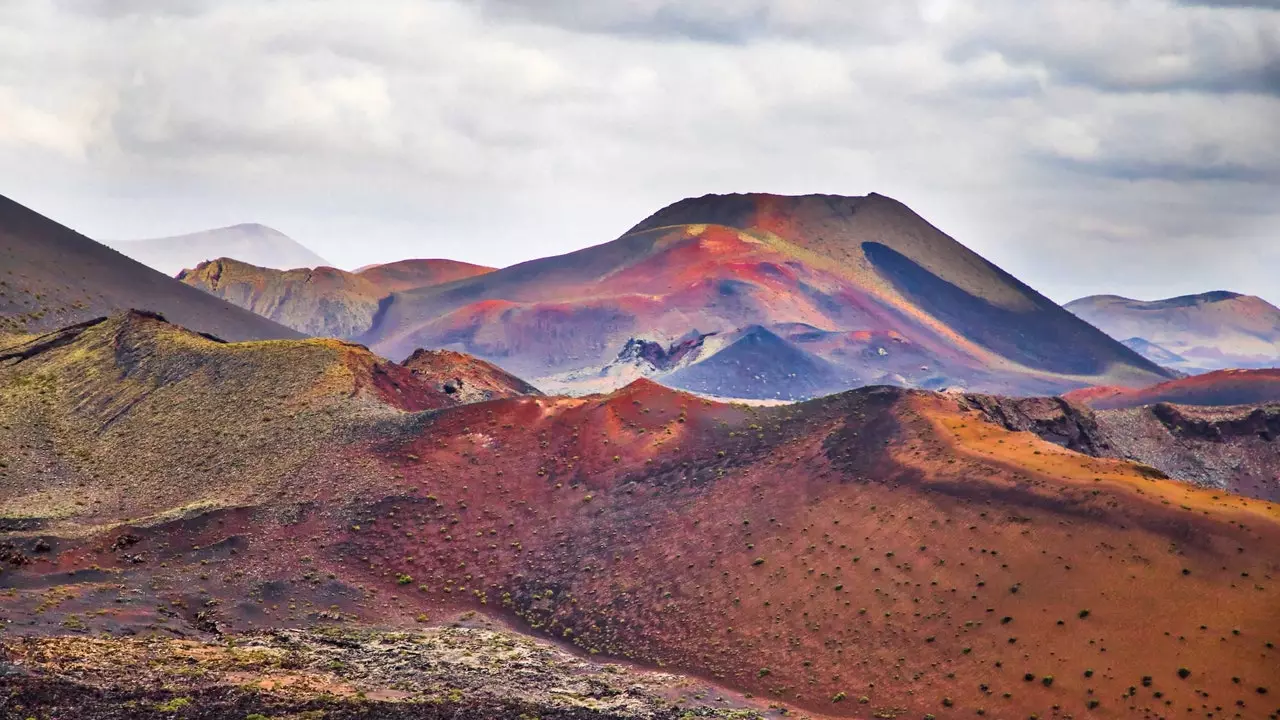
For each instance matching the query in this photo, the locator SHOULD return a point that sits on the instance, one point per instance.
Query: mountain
(755, 363)
(298, 511)
(418, 273)
(248, 242)
(1156, 354)
(1217, 388)
(1194, 333)
(465, 379)
(52, 276)
(863, 269)
(323, 301)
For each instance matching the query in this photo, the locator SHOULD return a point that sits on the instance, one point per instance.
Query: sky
(1086, 146)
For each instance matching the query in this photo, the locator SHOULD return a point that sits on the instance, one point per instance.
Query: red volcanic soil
(465, 378)
(877, 552)
(1222, 387)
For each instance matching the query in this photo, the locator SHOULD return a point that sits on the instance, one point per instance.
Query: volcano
(856, 267)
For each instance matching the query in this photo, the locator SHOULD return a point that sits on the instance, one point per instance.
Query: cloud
(497, 130)
(1135, 47)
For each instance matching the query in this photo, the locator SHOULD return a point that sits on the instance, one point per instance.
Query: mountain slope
(758, 364)
(248, 242)
(416, 273)
(1210, 331)
(883, 544)
(321, 301)
(52, 276)
(464, 378)
(1217, 388)
(721, 263)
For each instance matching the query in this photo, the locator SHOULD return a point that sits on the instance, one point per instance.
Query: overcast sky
(1126, 146)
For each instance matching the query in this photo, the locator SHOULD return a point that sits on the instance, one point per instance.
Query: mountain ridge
(1215, 330)
(253, 243)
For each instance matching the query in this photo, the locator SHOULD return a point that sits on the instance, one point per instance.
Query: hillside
(52, 276)
(321, 301)
(1230, 448)
(418, 273)
(1222, 387)
(1192, 333)
(856, 267)
(755, 363)
(248, 242)
(879, 552)
(465, 379)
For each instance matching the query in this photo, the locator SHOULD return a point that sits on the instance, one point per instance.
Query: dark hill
(52, 276)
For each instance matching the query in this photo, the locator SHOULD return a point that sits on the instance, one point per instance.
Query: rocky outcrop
(1261, 422)
(1074, 427)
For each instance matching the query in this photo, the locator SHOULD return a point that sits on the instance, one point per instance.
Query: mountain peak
(746, 209)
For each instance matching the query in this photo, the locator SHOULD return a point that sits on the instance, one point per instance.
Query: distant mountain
(1210, 331)
(249, 242)
(1214, 389)
(418, 273)
(1154, 352)
(52, 276)
(871, 286)
(321, 301)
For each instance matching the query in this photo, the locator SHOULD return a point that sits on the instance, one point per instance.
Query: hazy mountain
(249, 242)
(1210, 331)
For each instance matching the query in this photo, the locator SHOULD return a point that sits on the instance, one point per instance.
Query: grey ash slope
(758, 364)
(52, 276)
(248, 242)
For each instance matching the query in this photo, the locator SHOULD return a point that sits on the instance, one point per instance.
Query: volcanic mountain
(249, 242)
(52, 276)
(862, 269)
(1218, 388)
(882, 552)
(323, 301)
(1192, 333)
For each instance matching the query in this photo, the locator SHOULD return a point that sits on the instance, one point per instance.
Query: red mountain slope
(464, 378)
(721, 263)
(1223, 387)
(880, 552)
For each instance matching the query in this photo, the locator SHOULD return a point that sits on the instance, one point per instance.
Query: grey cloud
(498, 130)
(1252, 4)
(1115, 47)
(1168, 171)
(721, 21)
(115, 9)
